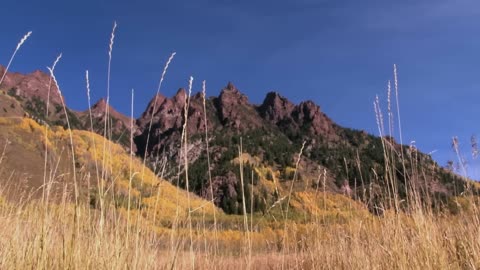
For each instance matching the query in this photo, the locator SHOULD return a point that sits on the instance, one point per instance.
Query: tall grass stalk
(290, 192)
(70, 135)
(76, 231)
(244, 207)
(87, 81)
(105, 172)
(131, 174)
(19, 45)
(391, 152)
(209, 169)
(150, 124)
(45, 185)
(46, 130)
(388, 167)
(155, 104)
(397, 100)
(148, 135)
(185, 158)
(99, 178)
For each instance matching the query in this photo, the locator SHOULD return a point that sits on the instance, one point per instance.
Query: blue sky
(338, 53)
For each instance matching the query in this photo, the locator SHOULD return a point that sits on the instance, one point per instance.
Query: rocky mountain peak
(230, 95)
(154, 103)
(180, 96)
(101, 105)
(40, 75)
(235, 110)
(35, 84)
(276, 107)
(167, 118)
(308, 111)
(98, 113)
(230, 86)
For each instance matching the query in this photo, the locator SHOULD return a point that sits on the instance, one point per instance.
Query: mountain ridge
(271, 135)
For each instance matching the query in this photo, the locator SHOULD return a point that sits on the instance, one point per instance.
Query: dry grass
(396, 241)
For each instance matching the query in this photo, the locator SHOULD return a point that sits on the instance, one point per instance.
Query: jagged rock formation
(276, 108)
(306, 115)
(271, 134)
(235, 111)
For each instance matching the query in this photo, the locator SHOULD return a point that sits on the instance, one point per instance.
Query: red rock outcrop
(35, 84)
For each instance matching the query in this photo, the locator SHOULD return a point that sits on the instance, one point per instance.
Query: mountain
(264, 139)
(335, 158)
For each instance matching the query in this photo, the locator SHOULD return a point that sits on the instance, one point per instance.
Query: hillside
(335, 159)
(103, 169)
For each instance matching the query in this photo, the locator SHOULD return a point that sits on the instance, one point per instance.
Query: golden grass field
(51, 236)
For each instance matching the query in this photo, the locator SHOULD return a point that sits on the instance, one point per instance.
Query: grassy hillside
(100, 166)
